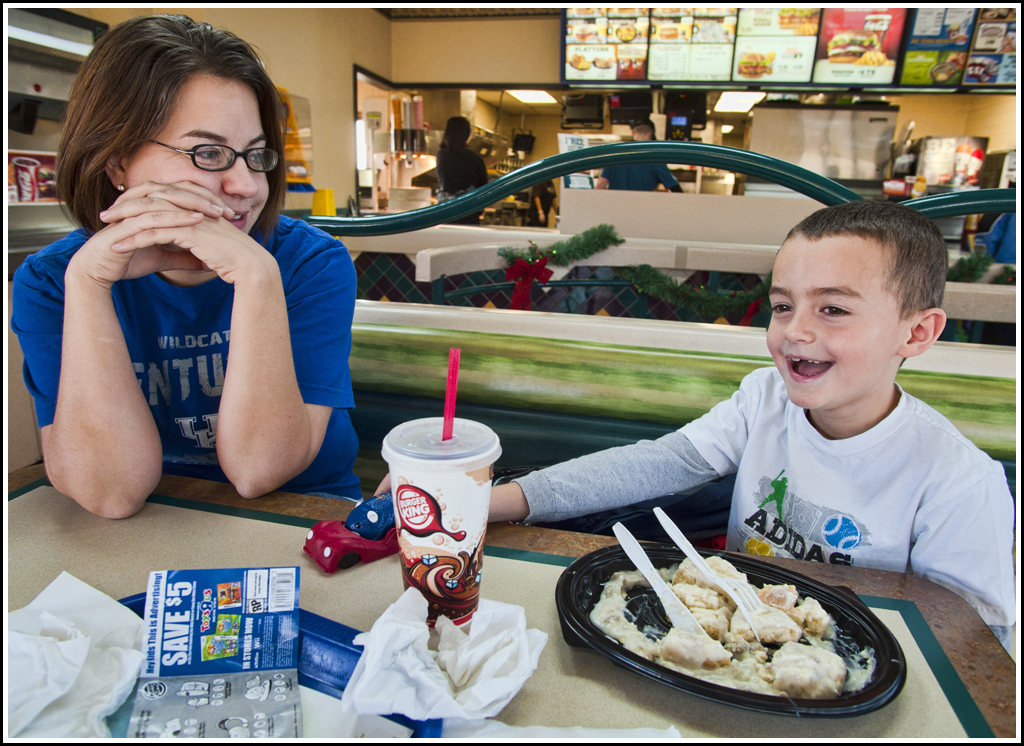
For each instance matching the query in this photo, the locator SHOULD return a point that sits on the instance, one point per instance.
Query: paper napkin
(471, 676)
(73, 656)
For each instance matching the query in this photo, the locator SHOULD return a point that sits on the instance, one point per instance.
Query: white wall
(500, 50)
(310, 52)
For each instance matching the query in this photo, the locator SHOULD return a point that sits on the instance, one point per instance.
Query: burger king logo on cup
(420, 513)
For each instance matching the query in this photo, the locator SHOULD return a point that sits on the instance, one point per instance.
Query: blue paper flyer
(221, 621)
(222, 651)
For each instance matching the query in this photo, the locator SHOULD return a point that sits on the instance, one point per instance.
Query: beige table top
(48, 533)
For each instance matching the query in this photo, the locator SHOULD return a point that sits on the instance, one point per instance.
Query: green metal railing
(765, 167)
(785, 174)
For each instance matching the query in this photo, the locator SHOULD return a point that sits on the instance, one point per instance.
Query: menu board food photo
(776, 45)
(859, 46)
(937, 49)
(692, 44)
(993, 55)
(606, 44)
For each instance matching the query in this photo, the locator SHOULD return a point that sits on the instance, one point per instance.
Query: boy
(833, 461)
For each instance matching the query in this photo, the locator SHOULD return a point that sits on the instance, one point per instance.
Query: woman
(459, 170)
(169, 160)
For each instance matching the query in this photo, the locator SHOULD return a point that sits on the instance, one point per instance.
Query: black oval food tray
(579, 589)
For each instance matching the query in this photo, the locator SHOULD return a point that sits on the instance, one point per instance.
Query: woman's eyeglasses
(221, 157)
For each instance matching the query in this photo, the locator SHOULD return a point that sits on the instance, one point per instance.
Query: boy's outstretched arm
(602, 481)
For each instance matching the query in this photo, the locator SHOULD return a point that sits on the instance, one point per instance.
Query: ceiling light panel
(533, 97)
(737, 100)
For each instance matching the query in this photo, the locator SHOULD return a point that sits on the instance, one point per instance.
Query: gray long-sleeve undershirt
(630, 474)
(615, 478)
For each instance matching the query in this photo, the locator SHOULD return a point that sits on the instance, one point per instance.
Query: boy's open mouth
(804, 368)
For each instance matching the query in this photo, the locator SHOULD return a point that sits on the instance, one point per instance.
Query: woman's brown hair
(126, 91)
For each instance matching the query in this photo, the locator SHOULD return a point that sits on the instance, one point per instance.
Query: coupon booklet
(221, 655)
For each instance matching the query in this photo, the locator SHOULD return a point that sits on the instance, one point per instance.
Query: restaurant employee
(639, 177)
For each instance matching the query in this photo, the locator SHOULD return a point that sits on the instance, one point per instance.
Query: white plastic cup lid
(420, 440)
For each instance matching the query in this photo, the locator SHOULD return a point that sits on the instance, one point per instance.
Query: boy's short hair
(920, 260)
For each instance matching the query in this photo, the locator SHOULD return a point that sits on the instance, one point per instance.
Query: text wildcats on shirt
(163, 377)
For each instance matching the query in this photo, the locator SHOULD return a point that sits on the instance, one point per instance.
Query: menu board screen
(937, 48)
(859, 46)
(839, 46)
(776, 45)
(606, 44)
(993, 56)
(691, 44)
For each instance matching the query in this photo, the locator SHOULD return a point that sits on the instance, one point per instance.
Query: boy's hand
(508, 503)
(385, 485)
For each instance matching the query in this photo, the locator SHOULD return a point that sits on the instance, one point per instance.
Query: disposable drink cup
(442, 493)
(26, 175)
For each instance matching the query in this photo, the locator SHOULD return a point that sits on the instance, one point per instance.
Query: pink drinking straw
(450, 392)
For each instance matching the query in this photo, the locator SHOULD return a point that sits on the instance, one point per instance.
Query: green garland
(1007, 277)
(703, 302)
(563, 253)
(970, 268)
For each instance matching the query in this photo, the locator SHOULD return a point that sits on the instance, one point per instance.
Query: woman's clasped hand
(165, 227)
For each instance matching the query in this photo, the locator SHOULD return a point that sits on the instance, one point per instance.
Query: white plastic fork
(741, 593)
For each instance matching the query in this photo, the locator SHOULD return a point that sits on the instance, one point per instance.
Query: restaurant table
(198, 523)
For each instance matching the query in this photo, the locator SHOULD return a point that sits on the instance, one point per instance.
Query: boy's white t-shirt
(910, 495)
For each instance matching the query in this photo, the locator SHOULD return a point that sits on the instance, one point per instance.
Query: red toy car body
(332, 546)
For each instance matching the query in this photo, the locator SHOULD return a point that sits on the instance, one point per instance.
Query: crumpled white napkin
(471, 676)
(73, 656)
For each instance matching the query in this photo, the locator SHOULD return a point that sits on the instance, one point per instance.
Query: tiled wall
(943, 115)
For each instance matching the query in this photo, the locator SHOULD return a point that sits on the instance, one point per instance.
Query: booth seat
(558, 386)
(978, 301)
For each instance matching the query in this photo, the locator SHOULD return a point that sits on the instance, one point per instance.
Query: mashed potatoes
(794, 657)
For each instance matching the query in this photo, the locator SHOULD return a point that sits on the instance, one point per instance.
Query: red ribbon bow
(524, 274)
(752, 310)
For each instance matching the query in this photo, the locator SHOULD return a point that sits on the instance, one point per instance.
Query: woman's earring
(120, 187)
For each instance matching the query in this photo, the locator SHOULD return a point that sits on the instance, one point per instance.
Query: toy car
(332, 546)
(368, 534)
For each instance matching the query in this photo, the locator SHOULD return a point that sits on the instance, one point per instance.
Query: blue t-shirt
(178, 340)
(639, 177)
